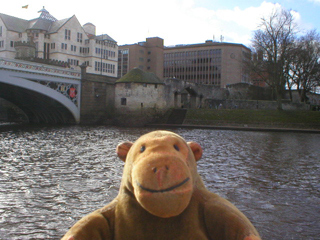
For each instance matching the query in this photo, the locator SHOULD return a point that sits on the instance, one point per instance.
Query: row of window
(213, 69)
(122, 59)
(84, 50)
(212, 78)
(67, 35)
(64, 46)
(123, 51)
(104, 53)
(20, 34)
(106, 43)
(122, 71)
(2, 44)
(123, 55)
(193, 54)
(73, 48)
(198, 76)
(79, 37)
(104, 67)
(192, 62)
(73, 62)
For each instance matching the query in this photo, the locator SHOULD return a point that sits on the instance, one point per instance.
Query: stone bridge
(50, 94)
(46, 94)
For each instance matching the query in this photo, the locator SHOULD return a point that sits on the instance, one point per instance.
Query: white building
(46, 38)
(139, 90)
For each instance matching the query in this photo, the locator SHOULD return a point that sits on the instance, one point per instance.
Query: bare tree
(303, 68)
(271, 43)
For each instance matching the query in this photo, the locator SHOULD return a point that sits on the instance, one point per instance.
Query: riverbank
(226, 119)
(249, 120)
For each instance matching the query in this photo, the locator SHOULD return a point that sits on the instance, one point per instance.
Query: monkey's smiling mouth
(163, 190)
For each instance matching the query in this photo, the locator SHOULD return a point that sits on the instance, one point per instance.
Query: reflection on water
(50, 177)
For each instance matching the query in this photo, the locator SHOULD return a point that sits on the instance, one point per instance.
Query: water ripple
(51, 177)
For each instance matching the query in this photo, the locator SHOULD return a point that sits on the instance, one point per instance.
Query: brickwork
(148, 56)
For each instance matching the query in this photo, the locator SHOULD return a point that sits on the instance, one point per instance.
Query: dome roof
(46, 15)
(136, 75)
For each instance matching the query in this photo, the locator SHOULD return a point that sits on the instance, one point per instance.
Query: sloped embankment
(254, 118)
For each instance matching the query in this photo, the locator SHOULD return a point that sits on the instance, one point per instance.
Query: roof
(40, 24)
(206, 44)
(57, 25)
(45, 22)
(105, 37)
(14, 24)
(136, 75)
(46, 15)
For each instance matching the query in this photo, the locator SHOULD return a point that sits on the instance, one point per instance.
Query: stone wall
(177, 92)
(139, 95)
(25, 50)
(97, 99)
(103, 99)
(253, 104)
(137, 104)
(314, 99)
(245, 91)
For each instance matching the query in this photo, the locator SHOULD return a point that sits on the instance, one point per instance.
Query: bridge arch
(40, 102)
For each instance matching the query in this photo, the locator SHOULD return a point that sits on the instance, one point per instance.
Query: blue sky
(176, 21)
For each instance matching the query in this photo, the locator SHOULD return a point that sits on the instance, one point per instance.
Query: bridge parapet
(55, 89)
(31, 67)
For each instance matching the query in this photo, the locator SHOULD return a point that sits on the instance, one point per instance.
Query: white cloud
(199, 24)
(176, 21)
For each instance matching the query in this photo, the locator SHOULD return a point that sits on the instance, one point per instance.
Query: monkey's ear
(196, 149)
(123, 149)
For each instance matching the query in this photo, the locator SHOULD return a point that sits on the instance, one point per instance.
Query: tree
(272, 43)
(303, 68)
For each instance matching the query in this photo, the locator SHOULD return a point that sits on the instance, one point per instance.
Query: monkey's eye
(142, 149)
(176, 147)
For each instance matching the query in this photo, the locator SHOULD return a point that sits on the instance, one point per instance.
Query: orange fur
(252, 237)
(163, 197)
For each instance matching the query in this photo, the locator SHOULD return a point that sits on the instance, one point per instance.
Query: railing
(21, 65)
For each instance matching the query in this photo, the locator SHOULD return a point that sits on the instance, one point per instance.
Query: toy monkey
(163, 197)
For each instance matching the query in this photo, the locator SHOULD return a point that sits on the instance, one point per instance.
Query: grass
(306, 119)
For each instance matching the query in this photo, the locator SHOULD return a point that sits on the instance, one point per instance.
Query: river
(52, 176)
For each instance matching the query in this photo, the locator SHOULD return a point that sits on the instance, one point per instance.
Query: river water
(52, 176)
